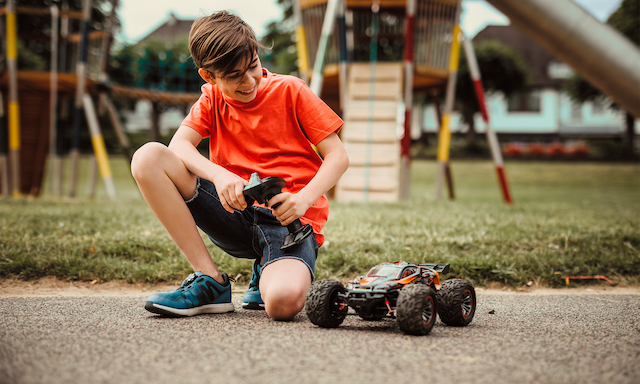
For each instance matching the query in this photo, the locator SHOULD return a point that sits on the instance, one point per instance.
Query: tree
(626, 19)
(280, 54)
(156, 64)
(502, 69)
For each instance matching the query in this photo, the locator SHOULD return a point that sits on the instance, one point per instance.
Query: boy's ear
(206, 76)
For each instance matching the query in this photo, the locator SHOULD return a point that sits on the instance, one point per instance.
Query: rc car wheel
(456, 302)
(323, 305)
(416, 309)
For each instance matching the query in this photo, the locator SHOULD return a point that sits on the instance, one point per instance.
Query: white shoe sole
(209, 308)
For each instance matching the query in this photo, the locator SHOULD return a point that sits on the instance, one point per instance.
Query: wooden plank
(384, 178)
(380, 110)
(362, 72)
(370, 133)
(350, 195)
(377, 155)
(380, 91)
(376, 131)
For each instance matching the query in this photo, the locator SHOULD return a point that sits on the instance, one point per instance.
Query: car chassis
(405, 291)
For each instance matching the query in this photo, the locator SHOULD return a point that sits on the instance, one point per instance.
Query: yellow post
(444, 141)
(301, 43)
(14, 106)
(98, 146)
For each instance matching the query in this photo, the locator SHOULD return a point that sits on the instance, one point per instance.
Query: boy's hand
(229, 187)
(293, 207)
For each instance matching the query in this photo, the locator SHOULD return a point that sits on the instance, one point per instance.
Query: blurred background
(438, 96)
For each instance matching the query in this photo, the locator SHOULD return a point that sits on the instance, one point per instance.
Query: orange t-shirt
(271, 135)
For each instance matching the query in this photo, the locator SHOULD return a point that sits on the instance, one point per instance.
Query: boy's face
(238, 85)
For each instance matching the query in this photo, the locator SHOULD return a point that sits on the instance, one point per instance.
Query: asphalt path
(563, 337)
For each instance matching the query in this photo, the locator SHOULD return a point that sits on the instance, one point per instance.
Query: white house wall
(140, 118)
(555, 116)
(544, 121)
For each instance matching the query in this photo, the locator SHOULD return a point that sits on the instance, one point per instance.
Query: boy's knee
(145, 159)
(284, 304)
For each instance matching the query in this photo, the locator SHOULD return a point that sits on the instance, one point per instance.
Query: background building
(544, 109)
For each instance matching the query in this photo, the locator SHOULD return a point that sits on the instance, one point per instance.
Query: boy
(257, 122)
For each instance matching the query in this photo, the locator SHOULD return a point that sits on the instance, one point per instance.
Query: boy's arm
(228, 184)
(334, 165)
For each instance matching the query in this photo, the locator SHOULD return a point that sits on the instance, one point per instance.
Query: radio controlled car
(404, 291)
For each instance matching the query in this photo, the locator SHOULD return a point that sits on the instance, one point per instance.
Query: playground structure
(79, 50)
(33, 133)
(369, 58)
(420, 40)
(383, 52)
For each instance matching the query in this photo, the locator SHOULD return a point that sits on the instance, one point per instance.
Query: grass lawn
(567, 219)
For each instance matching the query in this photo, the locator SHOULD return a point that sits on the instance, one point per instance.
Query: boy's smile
(238, 85)
(248, 92)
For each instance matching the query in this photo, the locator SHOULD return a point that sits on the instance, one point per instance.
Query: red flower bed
(536, 150)
(512, 150)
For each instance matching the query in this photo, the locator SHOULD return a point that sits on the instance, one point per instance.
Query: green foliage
(580, 90)
(287, 9)
(502, 68)
(156, 64)
(29, 60)
(626, 20)
(279, 54)
(567, 219)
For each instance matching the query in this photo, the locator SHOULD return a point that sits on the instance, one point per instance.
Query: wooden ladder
(370, 133)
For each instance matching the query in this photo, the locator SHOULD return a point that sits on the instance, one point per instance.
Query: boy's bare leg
(283, 286)
(165, 183)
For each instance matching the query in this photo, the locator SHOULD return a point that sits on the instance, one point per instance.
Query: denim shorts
(248, 234)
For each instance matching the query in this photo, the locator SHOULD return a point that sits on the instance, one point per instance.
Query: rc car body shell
(411, 293)
(375, 295)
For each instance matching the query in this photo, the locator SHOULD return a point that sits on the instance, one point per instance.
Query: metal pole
(4, 163)
(106, 43)
(593, 49)
(373, 61)
(405, 164)
(4, 168)
(104, 63)
(444, 140)
(14, 106)
(64, 35)
(117, 126)
(447, 170)
(80, 78)
(492, 138)
(327, 29)
(105, 103)
(98, 146)
(54, 159)
(301, 43)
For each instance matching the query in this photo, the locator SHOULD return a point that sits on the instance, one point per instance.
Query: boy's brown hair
(222, 41)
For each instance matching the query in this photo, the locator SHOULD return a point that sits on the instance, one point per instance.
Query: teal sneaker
(197, 294)
(252, 298)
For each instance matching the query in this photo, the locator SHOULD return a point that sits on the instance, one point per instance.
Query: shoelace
(187, 282)
(192, 277)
